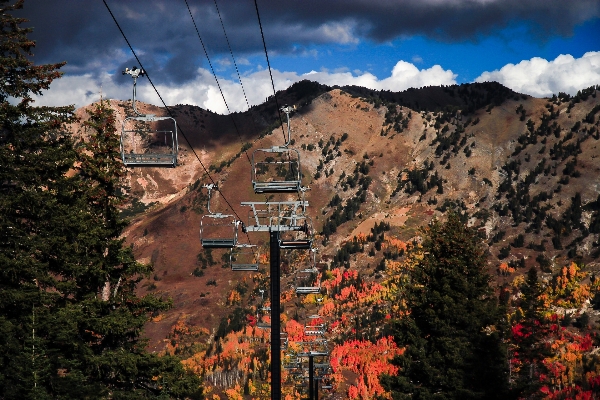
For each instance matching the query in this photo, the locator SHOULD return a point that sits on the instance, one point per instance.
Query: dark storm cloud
(161, 31)
(447, 19)
(84, 34)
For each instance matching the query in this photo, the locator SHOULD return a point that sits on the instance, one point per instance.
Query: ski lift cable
(279, 109)
(213, 72)
(269, 66)
(164, 104)
(235, 64)
(217, 80)
(241, 83)
(287, 109)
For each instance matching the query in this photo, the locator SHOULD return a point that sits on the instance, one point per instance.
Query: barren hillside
(523, 170)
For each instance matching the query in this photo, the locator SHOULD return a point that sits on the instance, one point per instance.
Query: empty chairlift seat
(300, 239)
(314, 330)
(283, 216)
(308, 290)
(217, 230)
(300, 244)
(263, 325)
(309, 275)
(306, 276)
(244, 257)
(292, 364)
(147, 140)
(276, 170)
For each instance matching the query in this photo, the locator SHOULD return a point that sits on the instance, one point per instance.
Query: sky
(536, 47)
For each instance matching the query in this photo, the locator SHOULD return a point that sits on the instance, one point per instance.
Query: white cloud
(81, 90)
(541, 78)
(405, 75)
(537, 77)
(203, 91)
(338, 32)
(223, 62)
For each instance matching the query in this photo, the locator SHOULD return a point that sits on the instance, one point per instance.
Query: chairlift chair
(282, 216)
(308, 290)
(244, 257)
(260, 324)
(315, 326)
(301, 388)
(326, 382)
(217, 230)
(298, 244)
(292, 365)
(263, 325)
(316, 330)
(317, 344)
(298, 240)
(308, 273)
(277, 169)
(158, 133)
(324, 369)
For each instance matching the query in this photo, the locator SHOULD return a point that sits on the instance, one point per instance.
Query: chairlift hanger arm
(287, 110)
(210, 188)
(135, 73)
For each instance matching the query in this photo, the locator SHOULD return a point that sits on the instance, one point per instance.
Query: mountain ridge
(521, 170)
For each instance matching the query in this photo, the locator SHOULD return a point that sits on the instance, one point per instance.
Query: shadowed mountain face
(523, 171)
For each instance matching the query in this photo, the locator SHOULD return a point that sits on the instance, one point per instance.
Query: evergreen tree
(453, 328)
(35, 156)
(70, 320)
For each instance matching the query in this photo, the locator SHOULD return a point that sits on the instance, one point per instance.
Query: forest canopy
(70, 319)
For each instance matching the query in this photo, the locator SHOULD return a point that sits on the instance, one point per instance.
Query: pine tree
(35, 156)
(70, 320)
(453, 328)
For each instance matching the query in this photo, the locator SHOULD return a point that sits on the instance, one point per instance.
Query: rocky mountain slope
(523, 171)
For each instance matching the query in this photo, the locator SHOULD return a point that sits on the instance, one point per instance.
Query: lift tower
(275, 170)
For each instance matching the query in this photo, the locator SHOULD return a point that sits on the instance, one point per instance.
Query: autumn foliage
(379, 334)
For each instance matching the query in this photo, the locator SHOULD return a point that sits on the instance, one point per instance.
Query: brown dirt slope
(469, 151)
